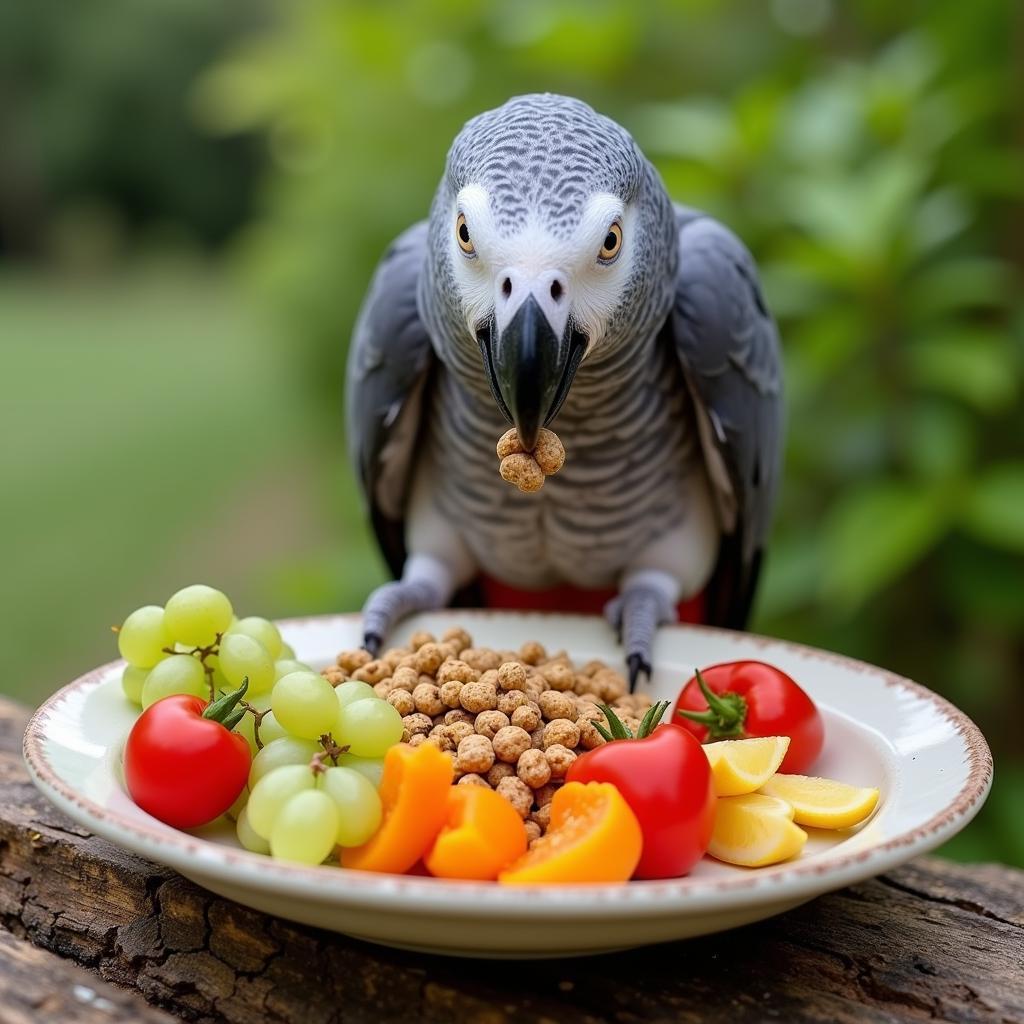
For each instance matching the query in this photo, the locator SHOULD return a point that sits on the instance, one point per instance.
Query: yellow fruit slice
(754, 830)
(822, 803)
(744, 766)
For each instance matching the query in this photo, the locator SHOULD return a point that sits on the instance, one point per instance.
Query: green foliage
(94, 133)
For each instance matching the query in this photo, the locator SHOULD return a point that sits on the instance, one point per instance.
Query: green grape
(271, 729)
(287, 651)
(368, 727)
(241, 657)
(286, 750)
(246, 727)
(305, 829)
(370, 767)
(305, 705)
(359, 807)
(239, 805)
(249, 839)
(263, 631)
(286, 666)
(352, 690)
(142, 638)
(272, 792)
(132, 681)
(180, 673)
(219, 680)
(196, 614)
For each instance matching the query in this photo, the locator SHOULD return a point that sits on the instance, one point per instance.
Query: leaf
(981, 587)
(876, 533)
(824, 124)
(701, 129)
(994, 510)
(857, 212)
(975, 366)
(939, 218)
(791, 573)
(939, 439)
(973, 282)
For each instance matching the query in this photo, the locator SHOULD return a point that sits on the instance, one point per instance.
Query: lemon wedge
(744, 766)
(755, 830)
(822, 803)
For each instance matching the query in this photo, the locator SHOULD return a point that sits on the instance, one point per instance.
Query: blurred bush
(864, 150)
(95, 150)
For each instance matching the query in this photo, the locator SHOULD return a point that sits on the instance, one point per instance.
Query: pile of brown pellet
(528, 469)
(514, 721)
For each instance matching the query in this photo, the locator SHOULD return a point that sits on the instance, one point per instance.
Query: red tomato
(666, 780)
(751, 698)
(182, 767)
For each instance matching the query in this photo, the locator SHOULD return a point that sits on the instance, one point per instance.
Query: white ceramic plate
(928, 759)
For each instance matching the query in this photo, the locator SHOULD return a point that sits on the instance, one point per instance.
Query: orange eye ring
(462, 235)
(612, 244)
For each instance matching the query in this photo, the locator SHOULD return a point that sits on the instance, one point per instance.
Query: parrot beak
(530, 369)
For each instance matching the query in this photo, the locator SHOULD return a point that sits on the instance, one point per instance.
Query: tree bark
(37, 986)
(932, 940)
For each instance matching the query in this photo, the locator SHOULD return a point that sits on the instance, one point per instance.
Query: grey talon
(637, 666)
(391, 603)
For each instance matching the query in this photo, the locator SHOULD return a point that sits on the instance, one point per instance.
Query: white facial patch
(564, 276)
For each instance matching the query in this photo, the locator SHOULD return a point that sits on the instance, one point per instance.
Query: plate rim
(658, 897)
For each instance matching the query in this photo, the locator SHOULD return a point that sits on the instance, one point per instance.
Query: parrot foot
(636, 614)
(391, 603)
(638, 666)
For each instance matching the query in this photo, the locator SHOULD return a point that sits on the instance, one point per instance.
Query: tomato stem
(616, 729)
(225, 709)
(726, 713)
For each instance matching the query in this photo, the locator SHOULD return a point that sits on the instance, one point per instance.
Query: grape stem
(202, 653)
(258, 717)
(331, 750)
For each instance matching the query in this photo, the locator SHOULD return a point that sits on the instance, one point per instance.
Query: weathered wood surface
(37, 986)
(933, 940)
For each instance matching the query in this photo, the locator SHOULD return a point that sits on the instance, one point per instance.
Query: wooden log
(37, 987)
(932, 940)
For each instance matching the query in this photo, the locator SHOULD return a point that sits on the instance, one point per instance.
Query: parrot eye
(462, 234)
(611, 245)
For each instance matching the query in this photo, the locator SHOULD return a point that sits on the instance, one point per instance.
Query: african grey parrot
(556, 283)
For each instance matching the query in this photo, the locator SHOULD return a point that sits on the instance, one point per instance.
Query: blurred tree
(94, 125)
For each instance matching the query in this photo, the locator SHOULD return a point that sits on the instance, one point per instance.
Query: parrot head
(552, 240)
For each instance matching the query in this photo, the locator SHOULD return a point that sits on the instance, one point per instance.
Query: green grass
(156, 431)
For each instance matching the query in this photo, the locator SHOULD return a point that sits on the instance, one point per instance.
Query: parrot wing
(389, 366)
(729, 348)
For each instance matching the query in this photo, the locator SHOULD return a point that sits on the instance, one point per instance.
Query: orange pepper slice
(414, 794)
(482, 836)
(594, 836)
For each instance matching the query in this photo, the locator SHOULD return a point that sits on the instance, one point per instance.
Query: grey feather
(388, 369)
(729, 347)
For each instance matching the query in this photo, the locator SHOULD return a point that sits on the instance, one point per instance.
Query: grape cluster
(318, 748)
(314, 786)
(195, 645)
